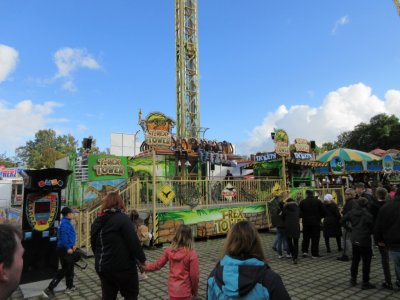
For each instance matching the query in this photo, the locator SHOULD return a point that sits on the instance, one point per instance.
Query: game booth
(40, 219)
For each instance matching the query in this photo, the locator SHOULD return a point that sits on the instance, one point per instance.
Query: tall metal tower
(187, 69)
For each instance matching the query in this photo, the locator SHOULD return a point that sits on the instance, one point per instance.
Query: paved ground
(323, 278)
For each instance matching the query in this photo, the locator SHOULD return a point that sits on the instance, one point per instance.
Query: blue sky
(314, 68)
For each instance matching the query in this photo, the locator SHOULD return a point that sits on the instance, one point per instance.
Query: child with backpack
(183, 277)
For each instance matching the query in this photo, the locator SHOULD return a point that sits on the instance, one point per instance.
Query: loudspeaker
(87, 143)
(312, 145)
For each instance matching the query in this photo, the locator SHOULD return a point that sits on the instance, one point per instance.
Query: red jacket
(183, 277)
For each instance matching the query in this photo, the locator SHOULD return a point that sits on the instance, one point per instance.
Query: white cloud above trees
(341, 110)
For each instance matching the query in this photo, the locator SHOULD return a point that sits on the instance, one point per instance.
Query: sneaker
(367, 286)
(288, 256)
(280, 256)
(48, 294)
(143, 276)
(343, 258)
(70, 290)
(305, 254)
(353, 281)
(387, 285)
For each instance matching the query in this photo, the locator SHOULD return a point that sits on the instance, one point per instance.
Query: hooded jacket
(183, 277)
(114, 242)
(291, 219)
(246, 279)
(388, 224)
(361, 226)
(331, 224)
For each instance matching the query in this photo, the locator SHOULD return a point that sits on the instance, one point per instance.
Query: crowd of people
(366, 219)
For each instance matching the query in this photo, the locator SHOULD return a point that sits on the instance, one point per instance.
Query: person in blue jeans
(280, 243)
(387, 231)
(66, 237)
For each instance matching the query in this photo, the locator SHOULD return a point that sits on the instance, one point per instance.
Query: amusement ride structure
(187, 70)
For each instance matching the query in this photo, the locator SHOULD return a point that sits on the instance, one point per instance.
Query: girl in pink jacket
(183, 277)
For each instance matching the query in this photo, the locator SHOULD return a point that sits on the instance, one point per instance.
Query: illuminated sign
(302, 156)
(266, 157)
(50, 182)
(41, 210)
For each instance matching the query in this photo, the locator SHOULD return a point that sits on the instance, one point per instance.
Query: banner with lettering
(218, 220)
(107, 167)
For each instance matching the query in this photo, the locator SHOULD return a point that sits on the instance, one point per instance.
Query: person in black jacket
(361, 229)
(116, 249)
(275, 207)
(349, 195)
(387, 231)
(311, 212)
(291, 221)
(331, 225)
(377, 203)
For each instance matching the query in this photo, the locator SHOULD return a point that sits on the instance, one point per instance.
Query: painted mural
(96, 190)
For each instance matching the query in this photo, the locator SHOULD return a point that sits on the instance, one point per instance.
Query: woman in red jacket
(183, 277)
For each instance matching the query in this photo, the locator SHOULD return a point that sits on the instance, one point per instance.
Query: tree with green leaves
(383, 131)
(46, 148)
(7, 161)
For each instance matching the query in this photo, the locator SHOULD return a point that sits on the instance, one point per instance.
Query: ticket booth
(40, 219)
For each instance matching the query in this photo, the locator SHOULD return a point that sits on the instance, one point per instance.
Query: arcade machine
(40, 218)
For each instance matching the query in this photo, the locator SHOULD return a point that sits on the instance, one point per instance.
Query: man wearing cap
(65, 248)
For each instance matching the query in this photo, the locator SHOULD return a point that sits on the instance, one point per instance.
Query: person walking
(387, 231)
(377, 203)
(311, 212)
(331, 223)
(243, 273)
(291, 221)
(66, 238)
(279, 244)
(183, 277)
(361, 229)
(116, 249)
(349, 195)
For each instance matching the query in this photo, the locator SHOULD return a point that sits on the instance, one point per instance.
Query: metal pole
(134, 142)
(284, 173)
(154, 189)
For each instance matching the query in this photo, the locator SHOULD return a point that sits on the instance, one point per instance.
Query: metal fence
(171, 194)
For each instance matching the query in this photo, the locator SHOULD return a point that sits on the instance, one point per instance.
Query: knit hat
(66, 210)
(328, 197)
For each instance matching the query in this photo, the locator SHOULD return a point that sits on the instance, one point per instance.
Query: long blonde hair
(183, 238)
(243, 241)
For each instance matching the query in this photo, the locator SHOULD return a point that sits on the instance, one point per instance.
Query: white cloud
(21, 122)
(82, 127)
(340, 111)
(341, 22)
(68, 61)
(8, 61)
